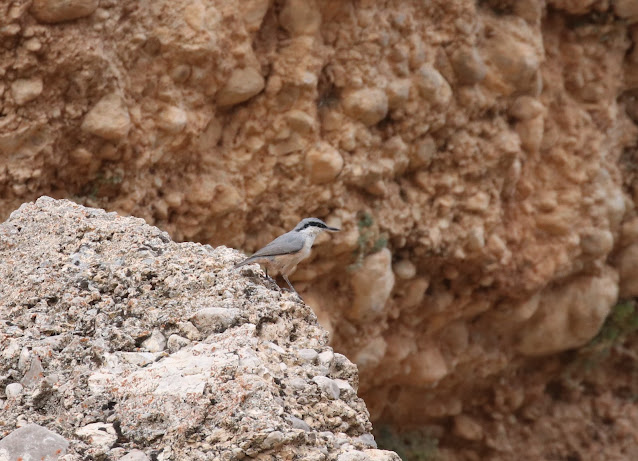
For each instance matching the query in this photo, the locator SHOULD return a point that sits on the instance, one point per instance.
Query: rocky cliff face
(122, 342)
(480, 157)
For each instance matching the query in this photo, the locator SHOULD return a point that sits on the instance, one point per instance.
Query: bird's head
(313, 226)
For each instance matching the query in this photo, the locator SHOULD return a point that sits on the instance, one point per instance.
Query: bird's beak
(333, 229)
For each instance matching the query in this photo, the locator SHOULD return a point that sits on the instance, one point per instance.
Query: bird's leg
(290, 284)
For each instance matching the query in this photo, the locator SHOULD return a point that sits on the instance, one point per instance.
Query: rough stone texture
(62, 10)
(32, 442)
(504, 168)
(83, 289)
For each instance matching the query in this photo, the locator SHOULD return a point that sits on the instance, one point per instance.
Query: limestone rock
(156, 342)
(25, 90)
(135, 455)
(33, 442)
(323, 163)
(237, 389)
(242, 85)
(108, 119)
(98, 434)
(53, 11)
(368, 105)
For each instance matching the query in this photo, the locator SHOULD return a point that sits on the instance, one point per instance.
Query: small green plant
(619, 325)
(370, 239)
(414, 445)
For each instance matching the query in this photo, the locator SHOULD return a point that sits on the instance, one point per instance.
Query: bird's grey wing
(284, 244)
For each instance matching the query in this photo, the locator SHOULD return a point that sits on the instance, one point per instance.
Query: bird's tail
(243, 263)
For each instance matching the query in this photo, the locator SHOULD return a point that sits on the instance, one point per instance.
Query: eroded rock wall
(479, 157)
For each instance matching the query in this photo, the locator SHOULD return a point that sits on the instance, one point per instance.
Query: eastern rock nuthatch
(286, 251)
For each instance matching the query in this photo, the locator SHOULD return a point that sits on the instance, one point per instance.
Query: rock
(514, 61)
(627, 9)
(368, 105)
(467, 428)
(135, 455)
(53, 11)
(427, 366)
(526, 108)
(627, 262)
(176, 342)
(300, 17)
(96, 268)
(101, 435)
(172, 119)
(596, 242)
(307, 355)
(254, 12)
(372, 284)
(326, 357)
(327, 386)
(432, 85)
(585, 303)
(35, 373)
(398, 92)
(108, 119)
(24, 90)
(215, 319)
(13, 390)
(468, 66)
(33, 442)
(155, 343)
(242, 85)
(323, 163)
(381, 455)
(404, 269)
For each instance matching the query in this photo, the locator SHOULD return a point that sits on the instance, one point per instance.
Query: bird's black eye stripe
(315, 224)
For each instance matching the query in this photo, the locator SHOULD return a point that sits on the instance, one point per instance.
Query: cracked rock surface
(128, 344)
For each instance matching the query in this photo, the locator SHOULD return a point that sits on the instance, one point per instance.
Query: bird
(286, 251)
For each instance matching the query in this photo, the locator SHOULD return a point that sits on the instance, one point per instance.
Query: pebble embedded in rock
(172, 119)
(176, 342)
(135, 455)
(214, 319)
(368, 105)
(307, 355)
(328, 386)
(52, 11)
(404, 269)
(468, 66)
(108, 119)
(324, 163)
(372, 284)
(242, 85)
(155, 343)
(13, 390)
(432, 85)
(101, 435)
(24, 90)
(300, 17)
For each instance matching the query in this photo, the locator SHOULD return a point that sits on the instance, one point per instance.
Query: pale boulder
(300, 17)
(24, 90)
(372, 285)
(569, 316)
(52, 11)
(242, 85)
(323, 163)
(108, 119)
(368, 105)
